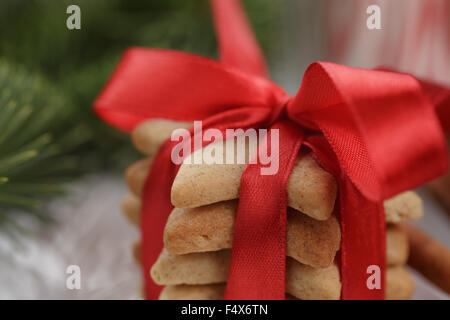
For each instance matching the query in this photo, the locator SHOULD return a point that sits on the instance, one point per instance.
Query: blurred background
(61, 167)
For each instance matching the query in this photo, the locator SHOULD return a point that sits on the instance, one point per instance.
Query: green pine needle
(40, 145)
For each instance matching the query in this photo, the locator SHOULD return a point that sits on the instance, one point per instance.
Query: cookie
(311, 242)
(137, 251)
(310, 189)
(190, 292)
(148, 136)
(193, 268)
(397, 246)
(136, 174)
(213, 266)
(210, 228)
(399, 286)
(198, 292)
(404, 206)
(131, 206)
(307, 283)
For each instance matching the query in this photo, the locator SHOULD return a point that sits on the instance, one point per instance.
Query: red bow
(376, 131)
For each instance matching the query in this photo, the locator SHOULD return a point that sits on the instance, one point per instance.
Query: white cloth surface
(91, 232)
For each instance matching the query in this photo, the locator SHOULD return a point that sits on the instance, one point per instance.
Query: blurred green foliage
(40, 147)
(61, 71)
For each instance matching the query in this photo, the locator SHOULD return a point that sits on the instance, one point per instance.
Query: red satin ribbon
(376, 131)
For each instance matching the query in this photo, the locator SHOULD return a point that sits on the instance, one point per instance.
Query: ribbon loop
(375, 122)
(204, 87)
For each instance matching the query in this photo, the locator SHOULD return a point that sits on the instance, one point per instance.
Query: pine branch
(39, 143)
(48, 132)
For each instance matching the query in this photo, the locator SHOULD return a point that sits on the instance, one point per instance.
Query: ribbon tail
(363, 230)
(363, 245)
(258, 259)
(238, 46)
(156, 207)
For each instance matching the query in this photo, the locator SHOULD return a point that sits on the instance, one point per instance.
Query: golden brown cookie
(148, 136)
(311, 242)
(137, 251)
(136, 174)
(405, 206)
(303, 282)
(310, 189)
(193, 268)
(399, 286)
(397, 247)
(131, 206)
(210, 228)
(212, 267)
(307, 283)
(198, 292)
(193, 292)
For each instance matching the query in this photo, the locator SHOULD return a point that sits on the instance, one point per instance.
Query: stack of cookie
(198, 235)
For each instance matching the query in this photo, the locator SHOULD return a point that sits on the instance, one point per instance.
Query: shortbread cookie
(397, 246)
(210, 228)
(148, 136)
(193, 292)
(136, 174)
(310, 242)
(137, 251)
(302, 281)
(198, 292)
(212, 267)
(310, 189)
(405, 206)
(131, 206)
(307, 283)
(399, 286)
(193, 268)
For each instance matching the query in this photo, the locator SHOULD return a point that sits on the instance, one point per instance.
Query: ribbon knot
(279, 111)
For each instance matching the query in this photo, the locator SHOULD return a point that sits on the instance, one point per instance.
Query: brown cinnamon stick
(429, 257)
